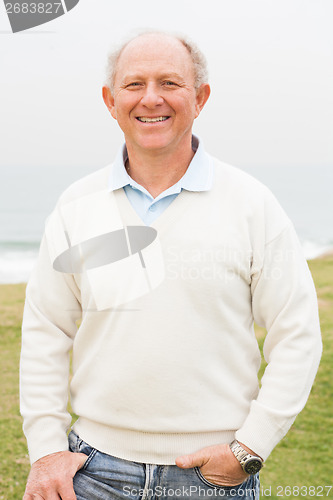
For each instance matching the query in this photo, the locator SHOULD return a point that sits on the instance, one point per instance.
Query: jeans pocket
(89, 458)
(77, 445)
(204, 480)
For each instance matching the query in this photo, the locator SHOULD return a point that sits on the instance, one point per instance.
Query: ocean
(28, 196)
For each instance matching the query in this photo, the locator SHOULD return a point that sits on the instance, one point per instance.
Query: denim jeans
(106, 477)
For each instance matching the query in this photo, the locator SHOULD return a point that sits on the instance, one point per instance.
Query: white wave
(312, 249)
(16, 265)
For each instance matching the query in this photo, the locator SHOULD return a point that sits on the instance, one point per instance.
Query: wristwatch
(251, 464)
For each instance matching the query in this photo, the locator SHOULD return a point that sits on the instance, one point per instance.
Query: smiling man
(155, 98)
(165, 359)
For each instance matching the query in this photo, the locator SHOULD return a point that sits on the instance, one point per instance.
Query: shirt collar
(198, 176)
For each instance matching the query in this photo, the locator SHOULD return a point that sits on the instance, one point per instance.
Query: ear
(201, 98)
(109, 100)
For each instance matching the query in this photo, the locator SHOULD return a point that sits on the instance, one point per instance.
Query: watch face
(252, 466)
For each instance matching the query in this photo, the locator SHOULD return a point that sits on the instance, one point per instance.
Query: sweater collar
(198, 176)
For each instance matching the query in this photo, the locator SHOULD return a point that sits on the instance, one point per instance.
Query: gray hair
(198, 59)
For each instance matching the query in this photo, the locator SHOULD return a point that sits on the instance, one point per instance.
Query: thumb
(81, 459)
(197, 459)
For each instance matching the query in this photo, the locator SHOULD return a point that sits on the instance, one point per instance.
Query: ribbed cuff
(262, 430)
(49, 436)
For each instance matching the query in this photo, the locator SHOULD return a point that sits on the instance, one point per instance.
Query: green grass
(14, 463)
(303, 458)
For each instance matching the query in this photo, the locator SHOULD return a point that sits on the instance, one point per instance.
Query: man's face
(154, 99)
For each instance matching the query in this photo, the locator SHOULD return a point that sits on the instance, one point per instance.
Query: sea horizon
(303, 192)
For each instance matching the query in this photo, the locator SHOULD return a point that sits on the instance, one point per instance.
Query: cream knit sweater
(165, 359)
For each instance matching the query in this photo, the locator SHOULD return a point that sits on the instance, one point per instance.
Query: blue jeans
(106, 477)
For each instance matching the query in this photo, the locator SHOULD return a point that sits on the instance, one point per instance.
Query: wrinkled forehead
(152, 51)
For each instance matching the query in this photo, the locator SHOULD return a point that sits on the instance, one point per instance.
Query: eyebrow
(164, 76)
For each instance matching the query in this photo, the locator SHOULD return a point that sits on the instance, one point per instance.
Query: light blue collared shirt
(198, 177)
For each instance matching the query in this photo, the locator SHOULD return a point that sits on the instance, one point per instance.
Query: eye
(133, 85)
(169, 83)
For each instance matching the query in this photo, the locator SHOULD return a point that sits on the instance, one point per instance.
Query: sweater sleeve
(51, 310)
(284, 301)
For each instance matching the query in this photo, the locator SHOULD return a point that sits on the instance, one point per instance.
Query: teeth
(152, 120)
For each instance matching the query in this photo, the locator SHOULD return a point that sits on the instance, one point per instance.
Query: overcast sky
(271, 73)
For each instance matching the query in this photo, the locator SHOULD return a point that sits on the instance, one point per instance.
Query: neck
(156, 171)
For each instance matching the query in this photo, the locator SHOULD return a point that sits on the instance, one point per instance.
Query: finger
(81, 460)
(188, 461)
(67, 493)
(32, 496)
(50, 496)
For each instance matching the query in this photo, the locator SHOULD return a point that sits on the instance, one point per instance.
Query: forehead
(153, 54)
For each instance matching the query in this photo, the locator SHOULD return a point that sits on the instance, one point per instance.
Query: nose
(152, 96)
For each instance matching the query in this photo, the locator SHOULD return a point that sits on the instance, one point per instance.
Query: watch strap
(241, 454)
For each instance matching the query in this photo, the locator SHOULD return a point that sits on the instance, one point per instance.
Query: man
(166, 257)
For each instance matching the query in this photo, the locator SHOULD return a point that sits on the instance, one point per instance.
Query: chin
(154, 144)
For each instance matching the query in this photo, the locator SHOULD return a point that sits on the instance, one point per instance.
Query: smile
(152, 120)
